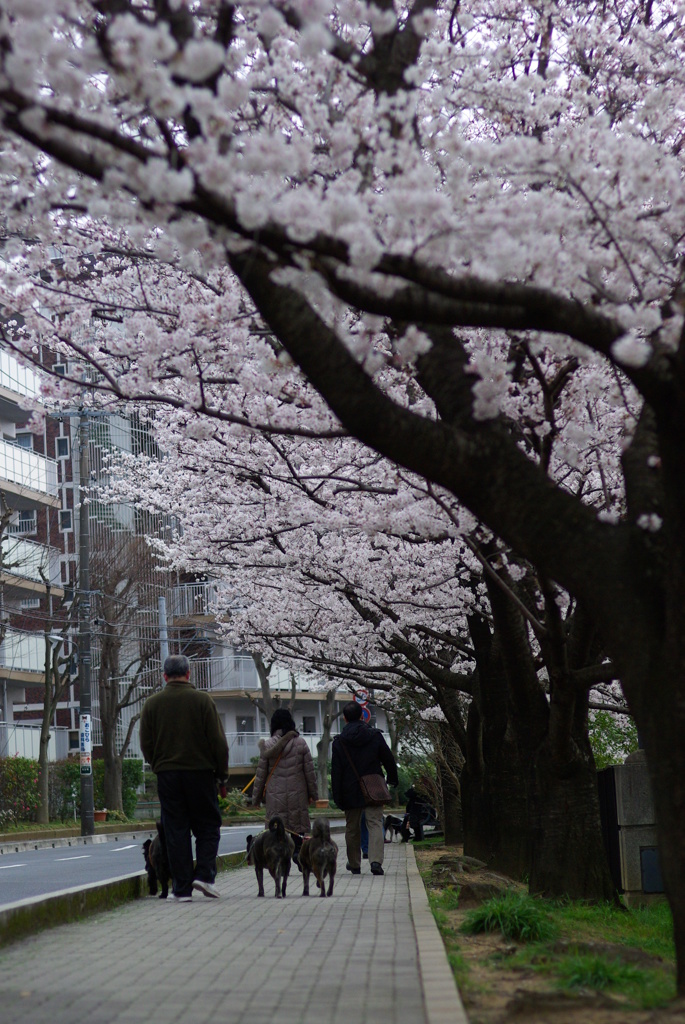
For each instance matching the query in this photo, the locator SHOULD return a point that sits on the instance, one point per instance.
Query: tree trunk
(113, 799)
(568, 857)
(43, 812)
(324, 745)
(660, 718)
(263, 673)
(493, 799)
(450, 812)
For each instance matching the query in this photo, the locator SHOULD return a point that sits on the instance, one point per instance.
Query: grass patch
(642, 987)
(649, 929)
(515, 916)
(564, 945)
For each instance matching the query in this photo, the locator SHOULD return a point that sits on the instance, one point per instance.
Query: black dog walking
(157, 863)
(272, 849)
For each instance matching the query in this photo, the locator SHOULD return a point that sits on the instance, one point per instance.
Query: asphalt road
(38, 872)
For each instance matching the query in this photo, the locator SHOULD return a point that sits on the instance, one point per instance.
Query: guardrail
(20, 739)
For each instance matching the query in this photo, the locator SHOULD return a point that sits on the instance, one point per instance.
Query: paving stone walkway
(368, 955)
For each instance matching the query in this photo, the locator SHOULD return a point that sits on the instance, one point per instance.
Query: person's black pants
(189, 804)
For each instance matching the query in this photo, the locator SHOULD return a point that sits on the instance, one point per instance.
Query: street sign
(86, 744)
(366, 714)
(361, 696)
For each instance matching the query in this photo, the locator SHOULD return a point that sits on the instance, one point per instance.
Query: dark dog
(273, 850)
(395, 827)
(156, 863)
(319, 855)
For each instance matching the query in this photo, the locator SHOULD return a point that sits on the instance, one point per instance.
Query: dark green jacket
(180, 729)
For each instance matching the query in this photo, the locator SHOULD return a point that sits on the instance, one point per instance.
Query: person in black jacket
(360, 750)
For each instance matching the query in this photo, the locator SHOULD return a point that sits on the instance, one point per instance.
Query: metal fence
(27, 468)
(232, 672)
(244, 746)
(19, 739)
(26, 558)
(18, 378)
(24, 652)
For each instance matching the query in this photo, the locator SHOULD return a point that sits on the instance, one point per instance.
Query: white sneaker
(207, 888)
(183, 899)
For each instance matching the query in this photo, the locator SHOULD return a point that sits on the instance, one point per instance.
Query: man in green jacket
(183, 740)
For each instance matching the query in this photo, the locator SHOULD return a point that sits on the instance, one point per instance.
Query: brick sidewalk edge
(441, 995)
(25, 917)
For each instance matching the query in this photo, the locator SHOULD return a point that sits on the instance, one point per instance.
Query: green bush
(515, 915)
(131, 779)
(233, 803)
(64, 789)
(19, 789)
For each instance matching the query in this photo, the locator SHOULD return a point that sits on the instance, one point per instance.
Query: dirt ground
(495, 994)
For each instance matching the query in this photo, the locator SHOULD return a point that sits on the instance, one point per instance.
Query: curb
(440, 992)
(25, 917)
(59, 841)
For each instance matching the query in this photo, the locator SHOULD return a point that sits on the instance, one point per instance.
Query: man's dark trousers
(189, 803)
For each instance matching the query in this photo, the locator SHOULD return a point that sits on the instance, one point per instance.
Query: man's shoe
(355, 871)
(207, 888)
(182, 899)
(376, 868)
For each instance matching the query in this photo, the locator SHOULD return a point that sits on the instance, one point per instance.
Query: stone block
(634, 801)
(631, 841)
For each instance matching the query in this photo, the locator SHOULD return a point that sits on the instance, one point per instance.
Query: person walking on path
(183, 740)
(360, 750)
(285, 777)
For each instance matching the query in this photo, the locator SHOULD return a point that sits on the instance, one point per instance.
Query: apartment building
(31, 582)
(130, 626)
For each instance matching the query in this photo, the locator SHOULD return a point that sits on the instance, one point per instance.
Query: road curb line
(25, 917)
(440, 992)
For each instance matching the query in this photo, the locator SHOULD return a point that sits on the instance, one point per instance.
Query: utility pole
(163, 631)
(85, 698)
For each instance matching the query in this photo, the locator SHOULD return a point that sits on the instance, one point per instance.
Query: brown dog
(319, 855)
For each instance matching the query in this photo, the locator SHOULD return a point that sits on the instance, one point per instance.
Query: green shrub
(515, 915)
(596, 972)
(234, 802)
(64, 789)
(19, 788)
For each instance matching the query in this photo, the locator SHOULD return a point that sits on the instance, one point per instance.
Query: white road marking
(118, 849)
(82, 856)
(12, 866)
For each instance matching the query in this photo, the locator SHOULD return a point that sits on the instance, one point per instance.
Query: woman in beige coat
(285, 777)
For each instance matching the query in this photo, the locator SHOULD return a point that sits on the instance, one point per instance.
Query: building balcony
(22, 657)
(16, 382)
(193, 600)
(27, 478)
(18, 739)
(228, 674)
(244, 746)
(23, 561)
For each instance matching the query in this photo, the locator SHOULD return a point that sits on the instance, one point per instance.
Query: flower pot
(322, 803)
(99, 815)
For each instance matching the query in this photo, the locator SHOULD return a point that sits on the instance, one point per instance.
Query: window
(62, 447)
(24, 440)
(60, 369)
(245, 724)
(309, 723)
(65, 519)
(30, 602)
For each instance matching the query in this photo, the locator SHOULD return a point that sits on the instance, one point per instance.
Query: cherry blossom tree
(399, 198)
(335, 560)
